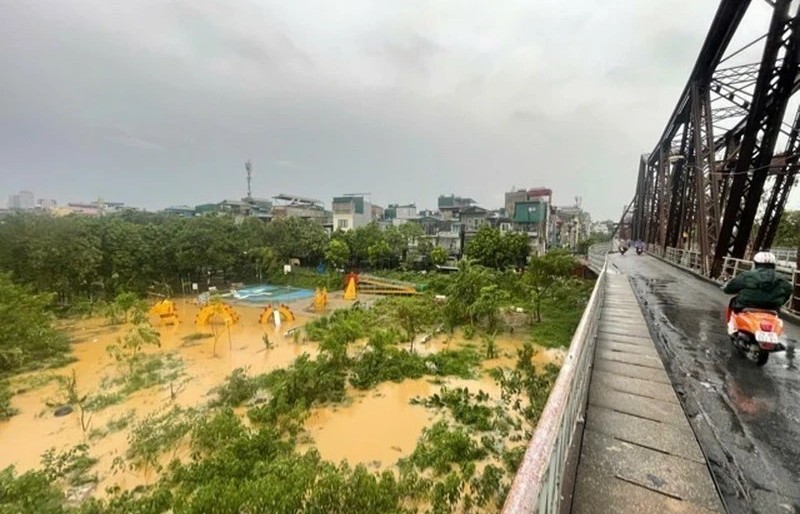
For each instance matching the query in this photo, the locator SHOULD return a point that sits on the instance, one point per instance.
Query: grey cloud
(160, 103)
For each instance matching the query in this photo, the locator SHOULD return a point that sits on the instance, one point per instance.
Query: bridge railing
(733, 267)
(786, 256)
(597, 256)
(545, 475)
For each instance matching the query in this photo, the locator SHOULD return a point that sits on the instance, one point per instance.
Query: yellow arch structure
(166, 312)
(268, 314)
(216, 312)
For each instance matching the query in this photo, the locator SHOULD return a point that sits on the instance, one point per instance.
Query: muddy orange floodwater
(375, 427)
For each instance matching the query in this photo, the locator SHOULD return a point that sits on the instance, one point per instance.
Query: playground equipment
(166, 312)
(272, 315)
(350, 290)
(320, 299)
(379, 285)
(216, 311)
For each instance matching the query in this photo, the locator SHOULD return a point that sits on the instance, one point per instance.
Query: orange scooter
(756, 333)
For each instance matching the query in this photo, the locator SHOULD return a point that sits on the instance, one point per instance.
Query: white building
(400, 214)
(46, 203)
(24, 200)
(351, 212)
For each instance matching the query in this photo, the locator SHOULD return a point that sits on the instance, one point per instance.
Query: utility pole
(249, 168)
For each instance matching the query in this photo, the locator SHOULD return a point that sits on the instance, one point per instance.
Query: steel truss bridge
(717, 180)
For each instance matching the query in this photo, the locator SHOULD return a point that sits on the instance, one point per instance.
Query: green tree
(545, 273)
(486, 306)
(498, 250)
(337, 254)
(486, 247)
(413, 314)
(265, 261)
(788, 234)
(583, 245)
(516, 248)
(397, 241)
(360, 241)
(27, 335)
(463, 291)
(297, 238)
(438, 256)
(380, 254)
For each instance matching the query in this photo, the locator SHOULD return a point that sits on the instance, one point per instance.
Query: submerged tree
(27, 335)
(544, 274)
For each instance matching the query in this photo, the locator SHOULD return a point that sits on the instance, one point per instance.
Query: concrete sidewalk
(639, 453)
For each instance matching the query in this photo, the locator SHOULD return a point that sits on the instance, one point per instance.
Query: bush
(27, 332)
(6, 410)
(29, 492)
(237, 389)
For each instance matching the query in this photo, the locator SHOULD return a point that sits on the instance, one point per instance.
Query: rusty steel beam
(702, 186)
(776, 78)
(784, 180)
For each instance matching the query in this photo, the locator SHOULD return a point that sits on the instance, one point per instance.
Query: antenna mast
(249, 168)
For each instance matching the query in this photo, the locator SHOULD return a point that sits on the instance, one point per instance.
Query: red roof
(540, 191)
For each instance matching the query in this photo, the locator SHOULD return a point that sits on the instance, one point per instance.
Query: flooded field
(375, 427)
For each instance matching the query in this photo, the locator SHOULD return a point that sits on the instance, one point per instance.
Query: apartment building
(351, 211)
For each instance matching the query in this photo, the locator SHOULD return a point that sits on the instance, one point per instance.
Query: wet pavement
(746, 418)
(638, 453)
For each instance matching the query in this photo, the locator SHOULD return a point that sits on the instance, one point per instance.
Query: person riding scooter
(759, 288)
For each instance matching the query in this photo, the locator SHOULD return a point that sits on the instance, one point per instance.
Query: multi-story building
(97, 208)
(378, 213)
(399, 214)
(46, 204)
(529, 211)
(183, 211)
(450, 206)
(22, 201)
(570, 225)
(499, 220)
(451, 239)
(293, 206)
(473, 218)
(351, 211)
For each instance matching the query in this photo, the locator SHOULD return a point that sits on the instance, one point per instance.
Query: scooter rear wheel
(763, 357)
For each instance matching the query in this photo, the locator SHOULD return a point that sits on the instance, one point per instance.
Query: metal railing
(733, 267)
(795, 301)
(686, 258)
(597, 256)
(541, 482)
(787, 256)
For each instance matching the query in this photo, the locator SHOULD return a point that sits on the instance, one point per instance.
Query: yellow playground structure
(268, 314)
(320, 299)
(166, 312)
(378, 285)
(216, 312)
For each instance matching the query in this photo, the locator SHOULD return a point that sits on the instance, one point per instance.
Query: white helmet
(764, 258)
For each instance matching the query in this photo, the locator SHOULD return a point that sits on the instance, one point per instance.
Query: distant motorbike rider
(759, 288)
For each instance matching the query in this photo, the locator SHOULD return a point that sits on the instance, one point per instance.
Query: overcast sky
(157, 102)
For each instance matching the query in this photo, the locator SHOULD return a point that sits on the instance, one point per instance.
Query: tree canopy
(498, 250)
(82, 257)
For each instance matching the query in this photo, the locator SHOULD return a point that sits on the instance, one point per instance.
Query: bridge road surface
(639, 453)
(746, 418)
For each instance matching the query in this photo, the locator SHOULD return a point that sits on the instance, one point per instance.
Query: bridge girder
(702, 186)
